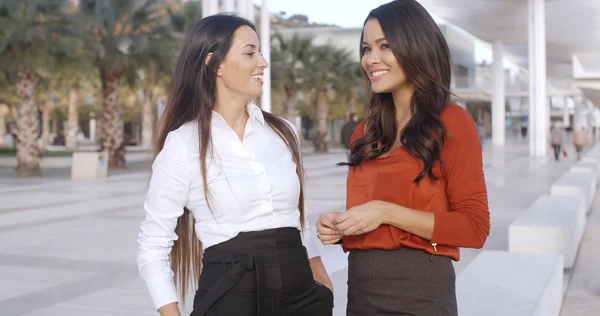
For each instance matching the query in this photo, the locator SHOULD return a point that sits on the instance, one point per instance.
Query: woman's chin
(379, 88)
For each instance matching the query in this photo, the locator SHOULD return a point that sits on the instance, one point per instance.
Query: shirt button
(268, 198)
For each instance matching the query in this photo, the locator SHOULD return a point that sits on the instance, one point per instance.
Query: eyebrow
(250, 45)
(381, 39)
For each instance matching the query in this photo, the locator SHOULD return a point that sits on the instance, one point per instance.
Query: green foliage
(290, 61)
(132, 35)
(297, 63)
(139, 40)
(186, 16)
(33, 32)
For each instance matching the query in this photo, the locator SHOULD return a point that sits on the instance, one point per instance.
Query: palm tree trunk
(45, 138)
(322, 111)
(27, 127)
(350, 103)
(2, 132)
(72, 118)
(147, 119)
(291, 110)
(111, 127)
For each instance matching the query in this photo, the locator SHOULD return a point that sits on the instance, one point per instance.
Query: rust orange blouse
(458, 199)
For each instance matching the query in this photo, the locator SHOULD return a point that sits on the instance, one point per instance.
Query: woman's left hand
(362, 218)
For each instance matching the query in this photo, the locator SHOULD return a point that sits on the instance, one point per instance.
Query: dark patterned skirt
(406, 281)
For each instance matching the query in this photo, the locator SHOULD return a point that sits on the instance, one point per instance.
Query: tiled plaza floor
(69, 248)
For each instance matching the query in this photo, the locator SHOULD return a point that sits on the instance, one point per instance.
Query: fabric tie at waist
(243, 263)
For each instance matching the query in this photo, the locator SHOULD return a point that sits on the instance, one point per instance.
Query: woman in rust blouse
(416, 190)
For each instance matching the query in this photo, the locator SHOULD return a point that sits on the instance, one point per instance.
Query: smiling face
(242, 69)
(379, 62)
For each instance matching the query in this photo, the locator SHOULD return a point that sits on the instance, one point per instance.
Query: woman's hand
(170, 309)
(319, 273)
(361, 219)
(326, 228)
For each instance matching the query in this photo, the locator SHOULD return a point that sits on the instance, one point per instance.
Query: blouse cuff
(162, 291)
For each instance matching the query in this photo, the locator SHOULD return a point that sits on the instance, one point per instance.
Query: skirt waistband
(251, 252)
(257, 242)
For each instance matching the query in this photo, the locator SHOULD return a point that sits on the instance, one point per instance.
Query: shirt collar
(255, 113)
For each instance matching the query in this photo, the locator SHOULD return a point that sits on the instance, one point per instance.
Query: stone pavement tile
(40, 274)
(575, 306)
(583, 292)
(61, 310)
(59, 212)
(64, 291)
(340, 291)
(115, 300)
(11, 288)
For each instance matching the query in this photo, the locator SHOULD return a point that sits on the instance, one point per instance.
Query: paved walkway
(69, 248)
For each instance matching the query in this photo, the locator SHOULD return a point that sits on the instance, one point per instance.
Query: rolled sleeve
(467, 223)
(167, 196)
(309, 239)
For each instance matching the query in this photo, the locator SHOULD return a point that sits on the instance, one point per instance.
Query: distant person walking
(347, 131)
(481, 131)
(579, 140)
(556, 139)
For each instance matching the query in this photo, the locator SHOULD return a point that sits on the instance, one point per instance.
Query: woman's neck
(402, 103)
(233, 111)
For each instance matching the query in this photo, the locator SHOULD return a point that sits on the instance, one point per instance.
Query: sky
(328, 11)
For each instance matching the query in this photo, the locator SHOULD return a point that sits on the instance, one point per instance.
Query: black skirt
(405, 282)
(265, 273)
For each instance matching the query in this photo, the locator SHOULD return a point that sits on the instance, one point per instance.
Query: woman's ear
(207, 60)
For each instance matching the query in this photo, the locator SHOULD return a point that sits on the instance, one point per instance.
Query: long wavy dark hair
(422, 52)
(192, 97)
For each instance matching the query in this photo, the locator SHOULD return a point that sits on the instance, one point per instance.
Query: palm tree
(132, 35)
(72, 72)
(45, 106)
(154, 80)
(183, 16)
(329, 67)
(30, 36)
(290, 61)
(352, 88)
(7, 102)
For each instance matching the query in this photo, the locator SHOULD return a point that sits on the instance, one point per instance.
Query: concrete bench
(590, 153)
(593, 152)
(588, 164)
(500, 283)
(551, 225)
(576, 184)
(89, 165)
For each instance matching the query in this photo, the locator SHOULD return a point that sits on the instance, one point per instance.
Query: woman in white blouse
(226, 190)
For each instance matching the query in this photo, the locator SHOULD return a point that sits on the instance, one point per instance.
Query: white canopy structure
(557, 40)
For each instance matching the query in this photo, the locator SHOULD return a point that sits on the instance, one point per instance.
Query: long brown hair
(421, 50)
(191, 98)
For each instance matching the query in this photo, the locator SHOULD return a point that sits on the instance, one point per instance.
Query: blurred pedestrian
(556, 140)
(579, 140)
(347, 131)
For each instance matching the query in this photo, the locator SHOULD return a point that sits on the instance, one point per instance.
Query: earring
(219, 74)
